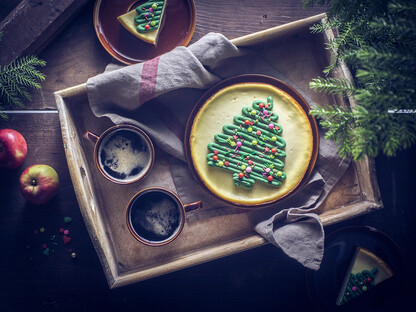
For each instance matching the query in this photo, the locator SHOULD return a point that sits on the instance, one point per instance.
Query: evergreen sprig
(376, 40)
(16, 79)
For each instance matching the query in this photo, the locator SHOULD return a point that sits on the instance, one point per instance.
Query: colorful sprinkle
(66, 239)
(271, 126)
(270, 178)
(241, 175)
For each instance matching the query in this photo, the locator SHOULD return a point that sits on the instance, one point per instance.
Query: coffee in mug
(123, 154)
(156, 216)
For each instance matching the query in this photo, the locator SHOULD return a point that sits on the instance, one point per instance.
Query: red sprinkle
(241, 175)
(246, 122)
(66, 239)
(215, 158)
(147, 27)
(261, 105)
(216, 152)
(274, 150)
(270, 178)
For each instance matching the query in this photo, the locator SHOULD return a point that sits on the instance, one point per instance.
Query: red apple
(39, 183)
(13, 149)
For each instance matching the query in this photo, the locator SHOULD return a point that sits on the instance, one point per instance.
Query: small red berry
(258, 132)
(147, 27)
(215, 158)
(274, 150)
(246, 122)
(270, 178)
(261, 105)
(241, 175)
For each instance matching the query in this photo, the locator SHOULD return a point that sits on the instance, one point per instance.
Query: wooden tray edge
(98, 238)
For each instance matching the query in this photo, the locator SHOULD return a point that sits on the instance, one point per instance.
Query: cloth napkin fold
(158, 96)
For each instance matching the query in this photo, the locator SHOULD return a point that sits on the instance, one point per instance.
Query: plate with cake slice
(251, 142)
(362, 270)
(136, 31)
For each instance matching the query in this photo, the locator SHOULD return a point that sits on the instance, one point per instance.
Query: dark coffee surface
(124, 155)
(155, 216)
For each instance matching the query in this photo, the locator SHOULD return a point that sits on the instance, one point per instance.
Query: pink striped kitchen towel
(158, 96)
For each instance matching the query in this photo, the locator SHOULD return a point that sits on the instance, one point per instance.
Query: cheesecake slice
(146, 21)
(366, 270)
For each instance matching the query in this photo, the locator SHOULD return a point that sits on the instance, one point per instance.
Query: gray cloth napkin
(158, 96)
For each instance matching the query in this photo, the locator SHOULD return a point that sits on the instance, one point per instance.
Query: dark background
(249, 281)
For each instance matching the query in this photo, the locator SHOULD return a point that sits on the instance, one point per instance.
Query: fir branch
(376, 39)
(332, 86)
(16, 79)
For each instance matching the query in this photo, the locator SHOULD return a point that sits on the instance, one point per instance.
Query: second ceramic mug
(156, 216)
(123, 153)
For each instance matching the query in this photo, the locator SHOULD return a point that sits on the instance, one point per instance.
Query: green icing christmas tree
(252, 148)
(148, 15)
(358, 284)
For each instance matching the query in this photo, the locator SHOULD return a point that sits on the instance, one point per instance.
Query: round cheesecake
(251, 144)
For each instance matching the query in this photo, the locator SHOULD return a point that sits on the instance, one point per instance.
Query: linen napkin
(158, 96)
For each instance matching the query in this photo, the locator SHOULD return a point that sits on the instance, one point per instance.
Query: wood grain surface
(259, 279)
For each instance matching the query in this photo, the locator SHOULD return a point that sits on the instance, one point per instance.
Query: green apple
(39, 183)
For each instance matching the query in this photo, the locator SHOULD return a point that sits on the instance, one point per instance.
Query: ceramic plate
(180, 20)
(262, 79)
(324, 284)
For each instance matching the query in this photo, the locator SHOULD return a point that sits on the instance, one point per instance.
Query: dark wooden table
(252, 281)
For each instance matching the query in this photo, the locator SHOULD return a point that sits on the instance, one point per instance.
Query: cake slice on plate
(146, 21)
(366, 270)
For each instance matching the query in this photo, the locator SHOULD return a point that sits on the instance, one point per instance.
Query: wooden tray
(102, 203)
